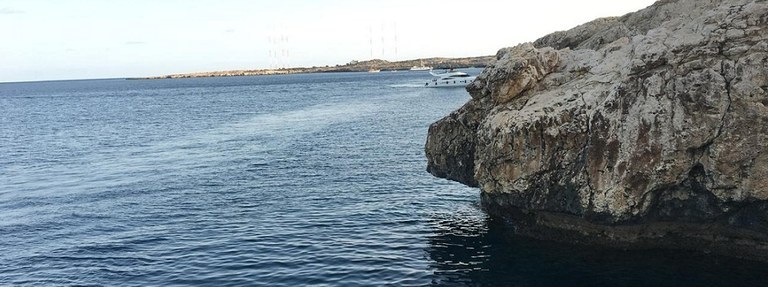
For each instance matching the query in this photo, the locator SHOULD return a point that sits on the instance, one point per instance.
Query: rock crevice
(657, 116)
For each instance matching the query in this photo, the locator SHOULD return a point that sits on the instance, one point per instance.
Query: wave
(407, 85)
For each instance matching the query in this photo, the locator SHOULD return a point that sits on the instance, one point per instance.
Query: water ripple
(267, 181)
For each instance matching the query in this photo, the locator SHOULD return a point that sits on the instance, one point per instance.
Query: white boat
(421, 67)
(374, 70)
(451, 78)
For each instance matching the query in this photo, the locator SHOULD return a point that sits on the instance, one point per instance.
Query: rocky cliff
(646, 130)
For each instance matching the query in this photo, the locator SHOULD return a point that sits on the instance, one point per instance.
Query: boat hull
(452, 83)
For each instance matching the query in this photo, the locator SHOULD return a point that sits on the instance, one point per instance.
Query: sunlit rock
(642, 130)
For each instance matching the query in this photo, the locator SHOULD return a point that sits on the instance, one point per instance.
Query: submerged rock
(646, 130)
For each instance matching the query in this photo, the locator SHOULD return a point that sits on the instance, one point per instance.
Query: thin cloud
(10, 11)
(135, 43)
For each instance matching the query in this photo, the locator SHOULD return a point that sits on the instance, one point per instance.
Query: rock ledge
(646, 130)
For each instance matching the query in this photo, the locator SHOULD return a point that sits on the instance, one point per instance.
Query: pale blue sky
(77, 39)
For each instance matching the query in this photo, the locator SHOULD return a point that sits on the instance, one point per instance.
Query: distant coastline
(353, 66)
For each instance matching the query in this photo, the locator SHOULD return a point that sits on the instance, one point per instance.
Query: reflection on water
(469, 248)
(459, 247)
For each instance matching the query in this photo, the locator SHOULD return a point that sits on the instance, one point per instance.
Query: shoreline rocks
(646, 130)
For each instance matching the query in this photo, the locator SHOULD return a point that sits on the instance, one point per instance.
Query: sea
(284, 180)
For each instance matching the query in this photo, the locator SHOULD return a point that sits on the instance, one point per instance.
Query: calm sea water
(291, 180)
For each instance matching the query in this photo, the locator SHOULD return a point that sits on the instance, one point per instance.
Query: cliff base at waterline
(641, 131)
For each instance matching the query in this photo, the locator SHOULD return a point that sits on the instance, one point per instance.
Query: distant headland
(353, 66)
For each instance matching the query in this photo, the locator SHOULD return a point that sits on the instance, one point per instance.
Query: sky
(87, 39)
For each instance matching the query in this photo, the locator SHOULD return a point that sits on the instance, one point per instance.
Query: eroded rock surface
(656, 118)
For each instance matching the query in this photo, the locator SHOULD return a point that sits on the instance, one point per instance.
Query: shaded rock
(658, 116)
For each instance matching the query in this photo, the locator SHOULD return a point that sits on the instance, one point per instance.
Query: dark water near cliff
(273, 181)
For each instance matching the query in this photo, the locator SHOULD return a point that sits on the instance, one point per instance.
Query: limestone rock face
(656, 117)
